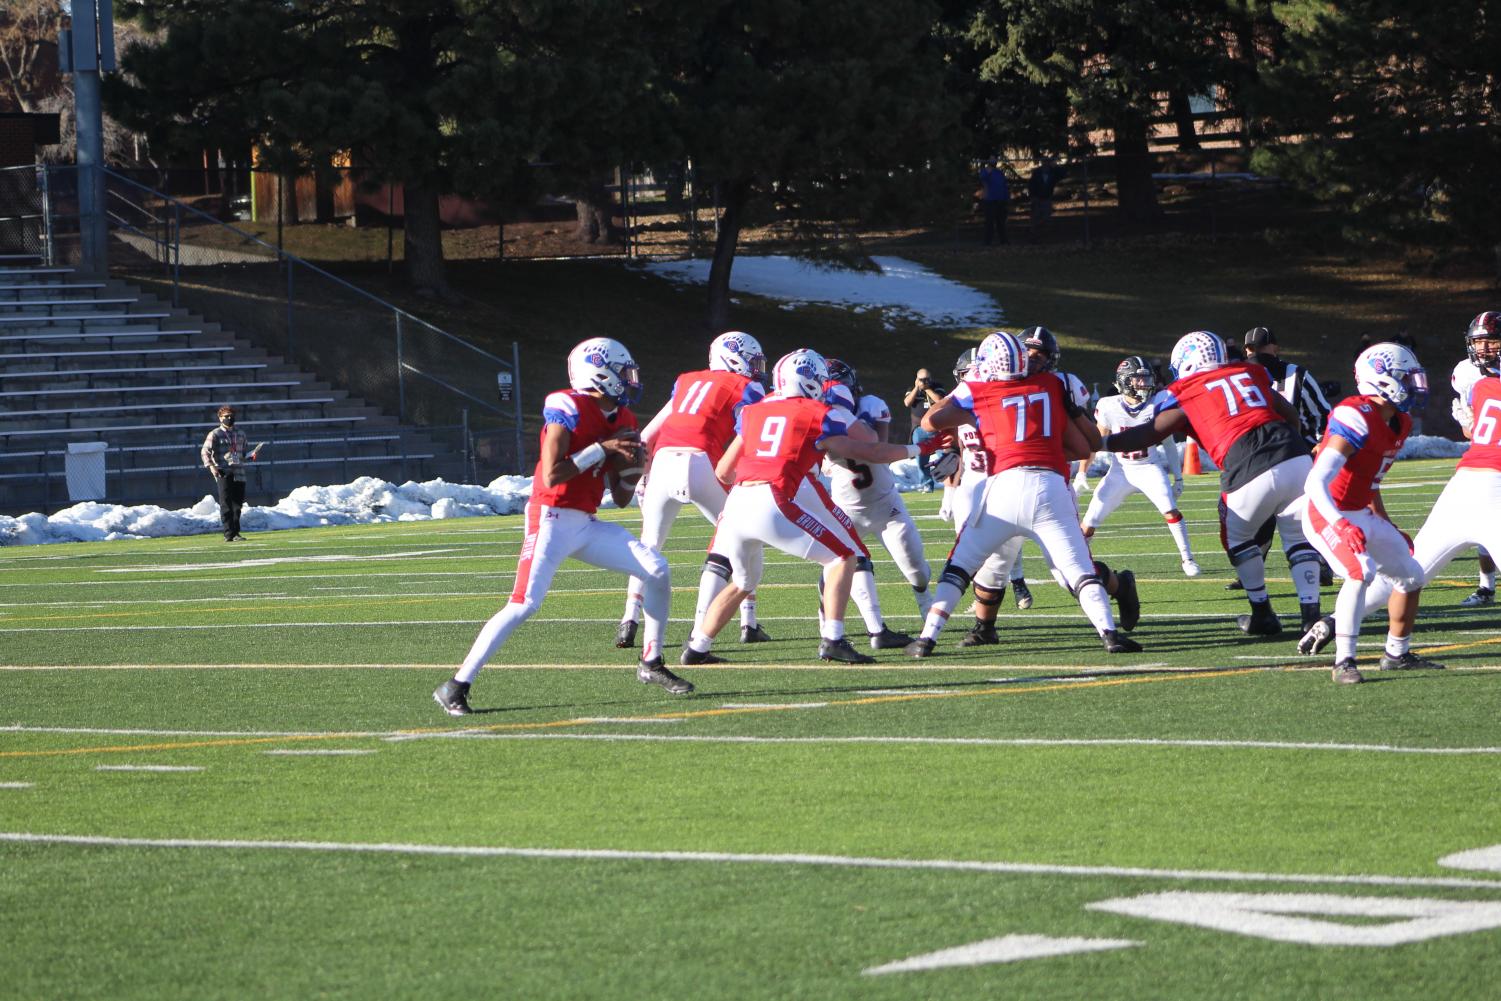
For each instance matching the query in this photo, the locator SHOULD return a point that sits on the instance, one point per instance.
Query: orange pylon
(1191, 464)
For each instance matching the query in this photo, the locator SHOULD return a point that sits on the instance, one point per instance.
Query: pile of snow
(901, 289)
(1431, 446)
(365, 501)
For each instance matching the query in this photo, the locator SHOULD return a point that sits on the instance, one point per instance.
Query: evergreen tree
(832, 110)
(1113, 64)
(441, 96)
(1389, 110)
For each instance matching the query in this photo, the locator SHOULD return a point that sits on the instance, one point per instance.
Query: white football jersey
(1113, 412)
(860, 484)
(974, 460)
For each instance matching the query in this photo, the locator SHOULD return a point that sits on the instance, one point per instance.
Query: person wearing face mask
(224, 455)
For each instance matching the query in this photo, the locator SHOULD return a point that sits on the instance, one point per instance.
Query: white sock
(924, 599)
(699, 643)
(1096, 604)
(1344, 647)
(1179, 530)
(832, 629)
(1488, 580)
(863, 591)
(945, 597)
(1396, 646)
(709, 586)
(748, 612)
(632, 607)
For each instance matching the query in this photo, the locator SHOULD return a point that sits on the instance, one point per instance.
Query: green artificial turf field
(222, 776)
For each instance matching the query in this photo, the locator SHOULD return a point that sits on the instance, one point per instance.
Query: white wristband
(913, 451)
(587, 458)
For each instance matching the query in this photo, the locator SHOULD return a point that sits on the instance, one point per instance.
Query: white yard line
(747, 858)
(1145, 742)
(16, 785)
(312, 752)
(147, 768)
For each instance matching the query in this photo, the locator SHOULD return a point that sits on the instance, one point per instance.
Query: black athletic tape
(1101, 570)
(717, 565)
(864, 563)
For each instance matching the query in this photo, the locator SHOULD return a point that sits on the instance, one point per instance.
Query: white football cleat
(1190, 568)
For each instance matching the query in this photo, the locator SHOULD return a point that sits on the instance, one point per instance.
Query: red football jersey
(1485, 437)
(779, 437)
(1021, 422)
(1356, 420)
(588, 423)
(1222, 404)
(704, 407)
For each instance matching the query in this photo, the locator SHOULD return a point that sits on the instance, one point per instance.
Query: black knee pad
(864, 563)
(956, 576)
(718, 565)
(1083, 582)
(989, 597)
(1245, 552)
(1302, 553)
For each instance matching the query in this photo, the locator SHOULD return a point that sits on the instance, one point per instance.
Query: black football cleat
(1022, 593)
(754, 634)
(1261, 622)
(1116, 643)
(1235, 585)
(453, 696)
(625, 635)
(1128, 600)
(980, 634)
(1479, 598)
(1317, 637)
(841, 651)
(1309, 614)
(691, 657)
(1409, 661)
(888, 640)
(920, 648)
(654, 672)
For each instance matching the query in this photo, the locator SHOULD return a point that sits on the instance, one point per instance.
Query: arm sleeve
(1171, 455)
(649, 433)
(1325, 468)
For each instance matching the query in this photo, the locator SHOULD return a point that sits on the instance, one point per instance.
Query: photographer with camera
(925, 392)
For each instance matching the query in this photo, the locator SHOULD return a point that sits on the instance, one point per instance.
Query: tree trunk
(1133, 169)
(596, 214)
(736, 197)
(1183, 117)
(422, 241)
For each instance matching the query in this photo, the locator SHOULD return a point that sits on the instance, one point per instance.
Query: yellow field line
(689, 714)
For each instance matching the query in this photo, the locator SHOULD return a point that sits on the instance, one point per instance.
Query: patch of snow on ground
(900, 290)
(368, 500)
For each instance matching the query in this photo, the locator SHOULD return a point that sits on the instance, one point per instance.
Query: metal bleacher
(100, 361)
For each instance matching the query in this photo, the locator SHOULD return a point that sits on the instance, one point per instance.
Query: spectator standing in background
(994, 195)
(924, 393)
(224, 455)
(1040, 184)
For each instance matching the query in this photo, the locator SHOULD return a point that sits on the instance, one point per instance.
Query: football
(628, 469)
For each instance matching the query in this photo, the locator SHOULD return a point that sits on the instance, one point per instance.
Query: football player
(687, 438)
(1482, 357)
(776, 502)
(1461, 517)
(1251, 433)
(588, 435)
(1144, 472)
(1029, 426)
(1343, 515)
(867, 493)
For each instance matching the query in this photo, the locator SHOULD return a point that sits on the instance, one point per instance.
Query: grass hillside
(1103, 303)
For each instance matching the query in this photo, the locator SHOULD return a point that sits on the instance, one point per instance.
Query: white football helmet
(604, 364)
(800, 373)
(738, 352)
(1392, 373)
(1001, 357)
(1199, 351)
